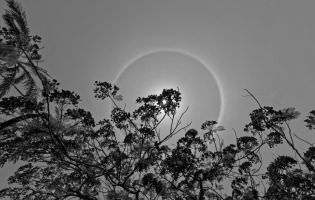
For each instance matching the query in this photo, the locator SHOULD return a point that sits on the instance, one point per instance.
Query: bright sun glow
(164, 101)
(172, 69)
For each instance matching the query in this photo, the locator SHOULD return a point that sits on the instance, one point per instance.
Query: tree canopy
(64, 153)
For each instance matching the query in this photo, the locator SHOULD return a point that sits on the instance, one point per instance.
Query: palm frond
(7, 80)
(9, 54)
(30, 87)
(41, 74)
(29, 83)
(43, 71)
(43, 78)
(16, 14)
(36, 69)
(9, 21)
(20, 78)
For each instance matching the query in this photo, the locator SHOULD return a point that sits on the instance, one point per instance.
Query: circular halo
(188, 54)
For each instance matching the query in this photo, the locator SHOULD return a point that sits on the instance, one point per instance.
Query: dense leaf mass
(63, 153)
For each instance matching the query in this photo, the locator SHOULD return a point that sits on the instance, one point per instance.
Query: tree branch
(19, 119)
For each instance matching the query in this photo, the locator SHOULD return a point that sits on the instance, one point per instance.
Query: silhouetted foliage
(64, 153)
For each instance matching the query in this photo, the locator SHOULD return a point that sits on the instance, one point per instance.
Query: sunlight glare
(164, 101)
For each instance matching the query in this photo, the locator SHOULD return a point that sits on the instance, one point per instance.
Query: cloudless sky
(266, 46)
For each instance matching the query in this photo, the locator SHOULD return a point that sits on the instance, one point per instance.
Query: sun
(158, 87)
(164, 102)
(150, 73)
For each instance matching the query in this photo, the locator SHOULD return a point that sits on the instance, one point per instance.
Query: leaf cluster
(64, 153)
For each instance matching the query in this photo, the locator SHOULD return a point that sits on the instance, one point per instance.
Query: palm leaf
(21, 78)
(43, 71)
(43, 78)
(29, 83)
(40, 73)
(9, 54)
(37, 69)
(30, 87)
(16, 14)
(7, 80)
(9, 21)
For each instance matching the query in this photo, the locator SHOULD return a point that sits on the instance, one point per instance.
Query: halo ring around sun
(185, 53)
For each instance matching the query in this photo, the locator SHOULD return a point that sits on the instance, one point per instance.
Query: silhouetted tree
(63, 153)
(19, 55)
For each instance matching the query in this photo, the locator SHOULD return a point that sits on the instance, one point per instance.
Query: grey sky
(266, 46)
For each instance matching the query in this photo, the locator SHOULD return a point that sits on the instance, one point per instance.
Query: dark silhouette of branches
(66, 154)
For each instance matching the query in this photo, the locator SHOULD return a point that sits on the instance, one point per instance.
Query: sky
(211, 49)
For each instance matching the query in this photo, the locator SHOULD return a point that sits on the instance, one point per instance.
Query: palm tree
(19, 54)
